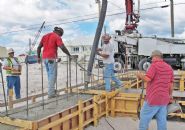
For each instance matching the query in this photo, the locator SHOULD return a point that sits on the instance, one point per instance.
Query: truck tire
(118, 65)
(144, 64)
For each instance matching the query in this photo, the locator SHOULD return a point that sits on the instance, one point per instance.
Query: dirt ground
(126, 123)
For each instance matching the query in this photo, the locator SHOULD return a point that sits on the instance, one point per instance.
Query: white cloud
(20, 14)
(116, 24)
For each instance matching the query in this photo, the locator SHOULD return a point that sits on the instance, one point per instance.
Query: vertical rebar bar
(98, 73)
(91, 83)
(56, 92)
(70, 75)
(67, 82)
(27, 111)
(67, 91)
(42, 84)
(76, 76)
(84, 68)
(1, 71)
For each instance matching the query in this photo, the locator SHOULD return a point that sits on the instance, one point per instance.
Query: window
(76, 49)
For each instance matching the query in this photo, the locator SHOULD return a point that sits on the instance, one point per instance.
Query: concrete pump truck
(133, 50)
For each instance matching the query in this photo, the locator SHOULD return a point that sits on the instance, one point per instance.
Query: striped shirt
(161, 75)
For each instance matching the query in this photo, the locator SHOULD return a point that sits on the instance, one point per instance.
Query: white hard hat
(10, 50)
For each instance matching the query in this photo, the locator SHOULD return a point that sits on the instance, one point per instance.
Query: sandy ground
(126, 123)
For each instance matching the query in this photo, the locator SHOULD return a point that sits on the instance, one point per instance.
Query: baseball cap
(59, 29)
(157, 53)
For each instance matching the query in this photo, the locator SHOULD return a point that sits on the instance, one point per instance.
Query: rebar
(76, 76)
(67, 82)
(42, 84)
(3, 88)
(27, 111)
(56, 92)
(70, 75)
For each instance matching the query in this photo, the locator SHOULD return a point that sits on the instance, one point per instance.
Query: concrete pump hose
(96, 39)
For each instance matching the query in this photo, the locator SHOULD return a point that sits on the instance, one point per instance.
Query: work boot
(53, 96)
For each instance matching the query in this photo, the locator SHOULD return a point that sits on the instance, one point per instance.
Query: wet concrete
(7, 127)
(51, 106)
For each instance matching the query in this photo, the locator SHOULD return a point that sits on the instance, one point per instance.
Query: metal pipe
(1, 71)
(84, 74)
(172, 17)
(67, 83)
(96, 41)
(76, 76)
(70, 75)
(99, 7)
(42, 84)
(27, 111)
(139, 7)
(56, 82)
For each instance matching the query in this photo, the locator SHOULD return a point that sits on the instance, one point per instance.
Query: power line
(154, 3)
(84, 19)
(115, 5)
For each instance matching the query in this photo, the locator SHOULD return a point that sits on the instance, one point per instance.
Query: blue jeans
(148, 112)
(14, 81)
(52, 75)
(108, 75)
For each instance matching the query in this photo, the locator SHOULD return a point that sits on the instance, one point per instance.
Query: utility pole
(172, 17)
(99, 6)
(105, 30)
(30, 46)
(138, 7)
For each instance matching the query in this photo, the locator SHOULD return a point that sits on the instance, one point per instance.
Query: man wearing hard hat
(107, 53)
(13, 72)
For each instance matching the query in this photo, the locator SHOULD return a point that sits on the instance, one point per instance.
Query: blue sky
(23, 14)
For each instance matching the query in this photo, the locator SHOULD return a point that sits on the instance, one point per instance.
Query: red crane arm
(131, 18)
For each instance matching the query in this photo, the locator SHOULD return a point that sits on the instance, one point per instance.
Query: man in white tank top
(107, 53)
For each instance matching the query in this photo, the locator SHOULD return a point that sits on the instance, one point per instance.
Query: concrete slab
(7, 127)
(52, 106)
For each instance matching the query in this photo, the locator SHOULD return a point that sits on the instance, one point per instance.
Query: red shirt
(50, 42)
(161, 75)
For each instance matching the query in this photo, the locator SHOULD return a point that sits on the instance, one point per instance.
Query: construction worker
(107, 53)
(159, 78)
(50, 42)
(13, 72)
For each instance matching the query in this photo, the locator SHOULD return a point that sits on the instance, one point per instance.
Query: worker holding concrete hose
(107, 53)
(50, 43)
(159, 78)
(13, 72)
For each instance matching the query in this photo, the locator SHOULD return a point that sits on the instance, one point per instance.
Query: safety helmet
(10, 50)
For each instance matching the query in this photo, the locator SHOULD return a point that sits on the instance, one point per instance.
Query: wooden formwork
(89, 111)
(82, 114)
(179, 81)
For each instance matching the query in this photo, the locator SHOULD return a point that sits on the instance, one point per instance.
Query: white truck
(133, 51)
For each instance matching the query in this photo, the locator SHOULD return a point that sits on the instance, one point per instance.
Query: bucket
(173, 107)
(31, 59)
